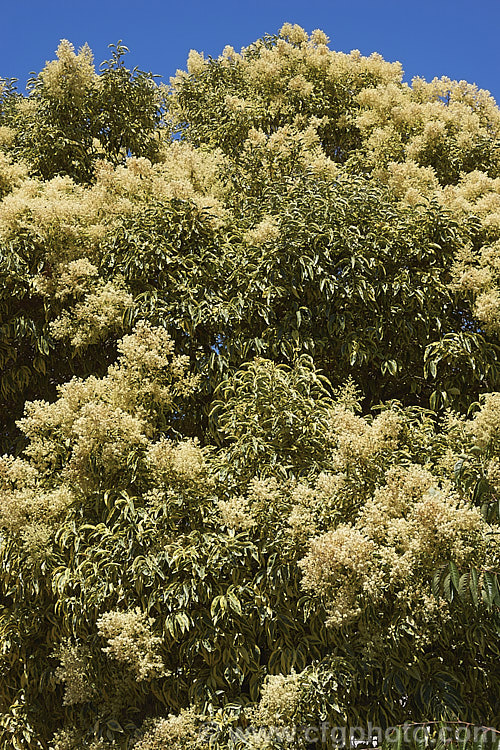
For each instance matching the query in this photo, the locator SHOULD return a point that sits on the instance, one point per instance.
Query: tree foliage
(248, 372)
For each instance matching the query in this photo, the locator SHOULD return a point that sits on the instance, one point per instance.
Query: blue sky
(458, 38)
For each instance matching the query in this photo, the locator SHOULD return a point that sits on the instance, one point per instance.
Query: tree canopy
(249, 343)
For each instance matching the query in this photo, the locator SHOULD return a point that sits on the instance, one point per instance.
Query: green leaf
(463, 586)
(474, 585)
(114, 726)
(455, 575)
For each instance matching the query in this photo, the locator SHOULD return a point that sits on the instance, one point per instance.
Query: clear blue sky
(458, 38)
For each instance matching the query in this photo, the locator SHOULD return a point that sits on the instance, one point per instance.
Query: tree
(249, 347)
(74, 116)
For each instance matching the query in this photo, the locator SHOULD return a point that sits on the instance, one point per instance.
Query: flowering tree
(248, 351)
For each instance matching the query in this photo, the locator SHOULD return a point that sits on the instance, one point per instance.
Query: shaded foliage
(234, 489)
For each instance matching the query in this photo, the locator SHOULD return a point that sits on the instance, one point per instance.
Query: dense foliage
(249, 340)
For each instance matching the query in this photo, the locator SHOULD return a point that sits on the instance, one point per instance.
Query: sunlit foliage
(249, 385)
